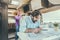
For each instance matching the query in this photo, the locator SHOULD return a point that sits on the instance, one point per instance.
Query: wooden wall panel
(4, 22)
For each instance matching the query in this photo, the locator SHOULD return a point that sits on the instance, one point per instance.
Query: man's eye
(36, 17)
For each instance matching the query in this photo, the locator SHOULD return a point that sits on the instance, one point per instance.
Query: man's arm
(22, 25)
(38, 29)
(29, 30)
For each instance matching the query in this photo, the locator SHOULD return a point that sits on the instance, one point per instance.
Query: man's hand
(37, 30)
(29, 30)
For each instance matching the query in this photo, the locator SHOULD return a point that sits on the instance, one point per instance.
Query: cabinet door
(0, 22)
(45, 3)
(0, 18)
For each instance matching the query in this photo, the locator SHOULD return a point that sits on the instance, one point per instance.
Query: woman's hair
(36, 13)
(15, 13)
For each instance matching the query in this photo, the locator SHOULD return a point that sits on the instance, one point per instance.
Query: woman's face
(18, 12)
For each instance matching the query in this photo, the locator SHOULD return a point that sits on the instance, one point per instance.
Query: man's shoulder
(26, 16)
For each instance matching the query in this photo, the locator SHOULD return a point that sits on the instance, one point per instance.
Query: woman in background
(17, 18)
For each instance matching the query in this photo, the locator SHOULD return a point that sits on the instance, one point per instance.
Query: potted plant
(56, 26)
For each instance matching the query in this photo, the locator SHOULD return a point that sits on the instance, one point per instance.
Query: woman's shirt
(17, 18)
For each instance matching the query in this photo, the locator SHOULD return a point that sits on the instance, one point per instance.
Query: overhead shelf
(11, 15)
(55, 1)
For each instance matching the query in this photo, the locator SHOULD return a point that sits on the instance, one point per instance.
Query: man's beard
(34, 20)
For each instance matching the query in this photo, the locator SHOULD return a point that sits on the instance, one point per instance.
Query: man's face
(36, 18)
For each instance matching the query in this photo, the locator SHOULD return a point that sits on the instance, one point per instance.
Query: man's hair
(35, 13)
(29, 13)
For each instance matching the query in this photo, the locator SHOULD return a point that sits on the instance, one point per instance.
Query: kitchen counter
(11, 22)
(49, 34)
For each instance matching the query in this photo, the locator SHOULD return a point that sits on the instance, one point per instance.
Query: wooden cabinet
(4, 1)
(45, 3)
(3, 21)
